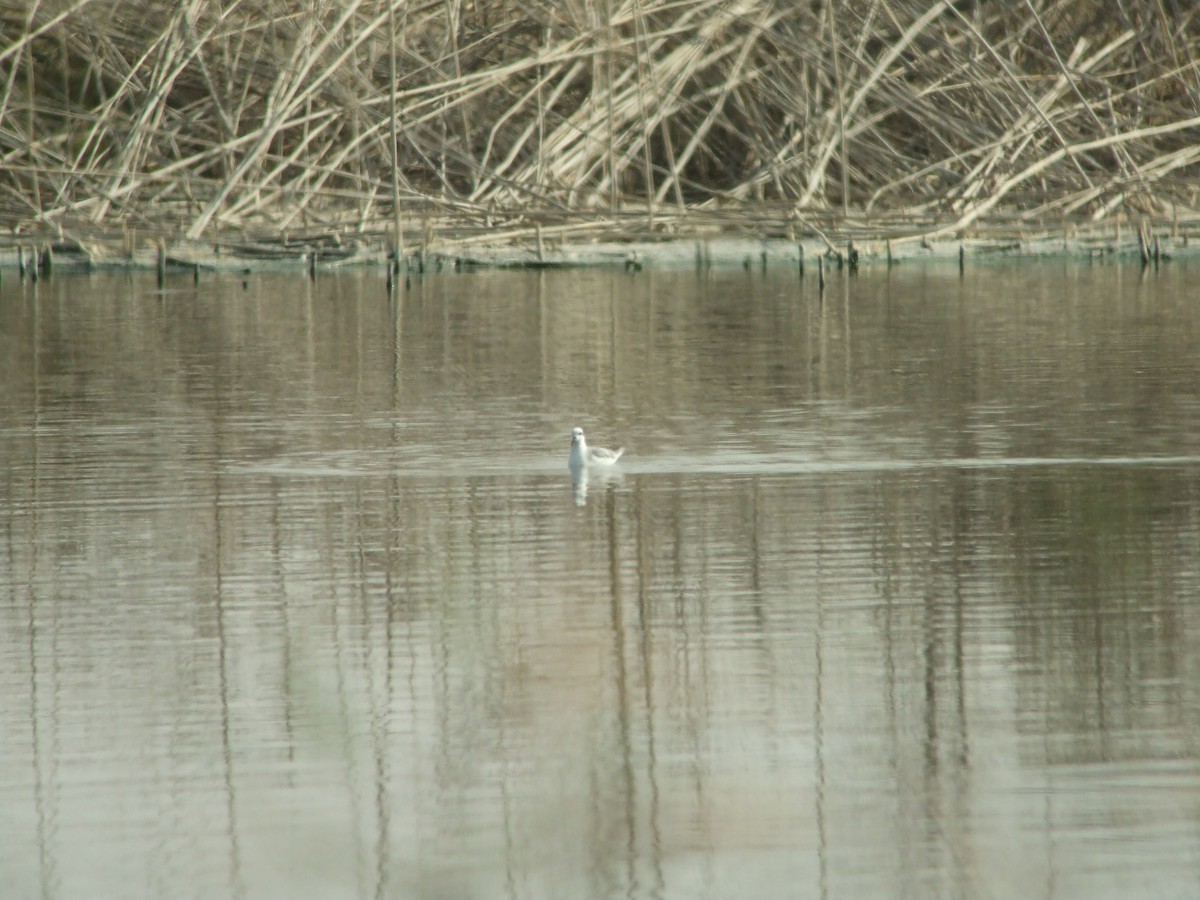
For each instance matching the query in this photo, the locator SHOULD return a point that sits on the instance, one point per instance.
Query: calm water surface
(893, 595)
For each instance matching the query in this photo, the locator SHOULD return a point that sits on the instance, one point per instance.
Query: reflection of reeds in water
(286, 117)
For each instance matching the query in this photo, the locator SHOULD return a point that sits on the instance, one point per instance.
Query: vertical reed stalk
(394, 118)
(609, 65)
(647, 122)
(31, 116)
(835, 52)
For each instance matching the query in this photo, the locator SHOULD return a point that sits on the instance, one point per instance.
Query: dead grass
(200, 118)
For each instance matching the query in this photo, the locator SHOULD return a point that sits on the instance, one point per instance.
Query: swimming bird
(582, 456)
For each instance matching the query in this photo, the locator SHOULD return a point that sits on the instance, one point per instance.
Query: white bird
(582, 456)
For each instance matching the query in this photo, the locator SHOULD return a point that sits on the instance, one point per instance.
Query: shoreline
(571, 247)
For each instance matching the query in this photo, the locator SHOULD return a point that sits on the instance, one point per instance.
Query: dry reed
(267, 117)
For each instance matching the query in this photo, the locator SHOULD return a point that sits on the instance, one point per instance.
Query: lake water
(895, 593)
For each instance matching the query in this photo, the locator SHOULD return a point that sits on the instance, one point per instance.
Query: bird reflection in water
(579, 486)
(582, 479)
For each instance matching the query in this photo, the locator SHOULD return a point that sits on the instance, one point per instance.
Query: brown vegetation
(266, 117)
